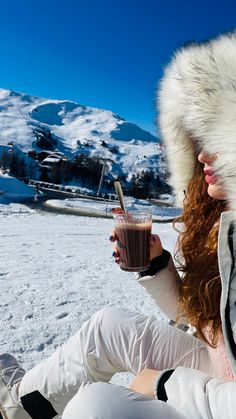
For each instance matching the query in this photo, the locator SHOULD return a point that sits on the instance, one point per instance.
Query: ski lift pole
(101, 179)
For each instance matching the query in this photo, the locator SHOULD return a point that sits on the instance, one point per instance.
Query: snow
(13, 190)
(128, 131)
(103, 208)
(51, 160)
(56, 271)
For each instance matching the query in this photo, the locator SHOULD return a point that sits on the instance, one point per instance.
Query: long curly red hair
(200, 288)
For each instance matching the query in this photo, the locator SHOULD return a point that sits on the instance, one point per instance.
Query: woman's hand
(156, 248)
(145, 381)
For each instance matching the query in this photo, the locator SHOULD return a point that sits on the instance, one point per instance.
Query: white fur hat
(197, 103)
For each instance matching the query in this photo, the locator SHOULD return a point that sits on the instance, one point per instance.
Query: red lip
(208, 172)
(210, 177)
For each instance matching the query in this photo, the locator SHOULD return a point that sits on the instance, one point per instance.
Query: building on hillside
(54, 167)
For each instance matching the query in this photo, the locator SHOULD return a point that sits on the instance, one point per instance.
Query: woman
(197, 103)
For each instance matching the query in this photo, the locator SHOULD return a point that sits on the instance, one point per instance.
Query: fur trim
(197, 104)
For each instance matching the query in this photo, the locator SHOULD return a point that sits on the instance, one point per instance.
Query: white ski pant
(75, 379)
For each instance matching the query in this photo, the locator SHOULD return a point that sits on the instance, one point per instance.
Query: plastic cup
(132, 230)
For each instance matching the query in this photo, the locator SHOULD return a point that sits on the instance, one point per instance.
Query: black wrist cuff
(161, 391)
(157, 264)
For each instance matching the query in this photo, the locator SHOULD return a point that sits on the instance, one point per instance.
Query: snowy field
(56, 270)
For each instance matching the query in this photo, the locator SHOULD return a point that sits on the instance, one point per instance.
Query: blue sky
(104, 53)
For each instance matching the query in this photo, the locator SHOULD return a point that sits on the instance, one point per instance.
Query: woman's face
(215, 189)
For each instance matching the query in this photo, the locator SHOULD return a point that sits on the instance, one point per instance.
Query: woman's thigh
(134, 341)
(108, 401)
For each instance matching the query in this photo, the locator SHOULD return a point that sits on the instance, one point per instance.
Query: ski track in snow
(56, 271)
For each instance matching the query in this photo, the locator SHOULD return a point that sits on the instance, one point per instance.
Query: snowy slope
(13, 190)
(72, 129)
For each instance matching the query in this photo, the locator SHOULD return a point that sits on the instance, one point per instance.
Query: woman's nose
(204, 157)
(201, 157)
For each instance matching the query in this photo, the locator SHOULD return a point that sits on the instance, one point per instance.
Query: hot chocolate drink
(133, 231)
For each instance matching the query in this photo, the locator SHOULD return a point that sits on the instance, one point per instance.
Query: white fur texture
(197, 104)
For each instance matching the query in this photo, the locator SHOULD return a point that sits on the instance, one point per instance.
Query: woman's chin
(216, 192)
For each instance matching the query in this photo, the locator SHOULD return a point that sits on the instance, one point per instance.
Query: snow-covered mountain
(34, 123)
